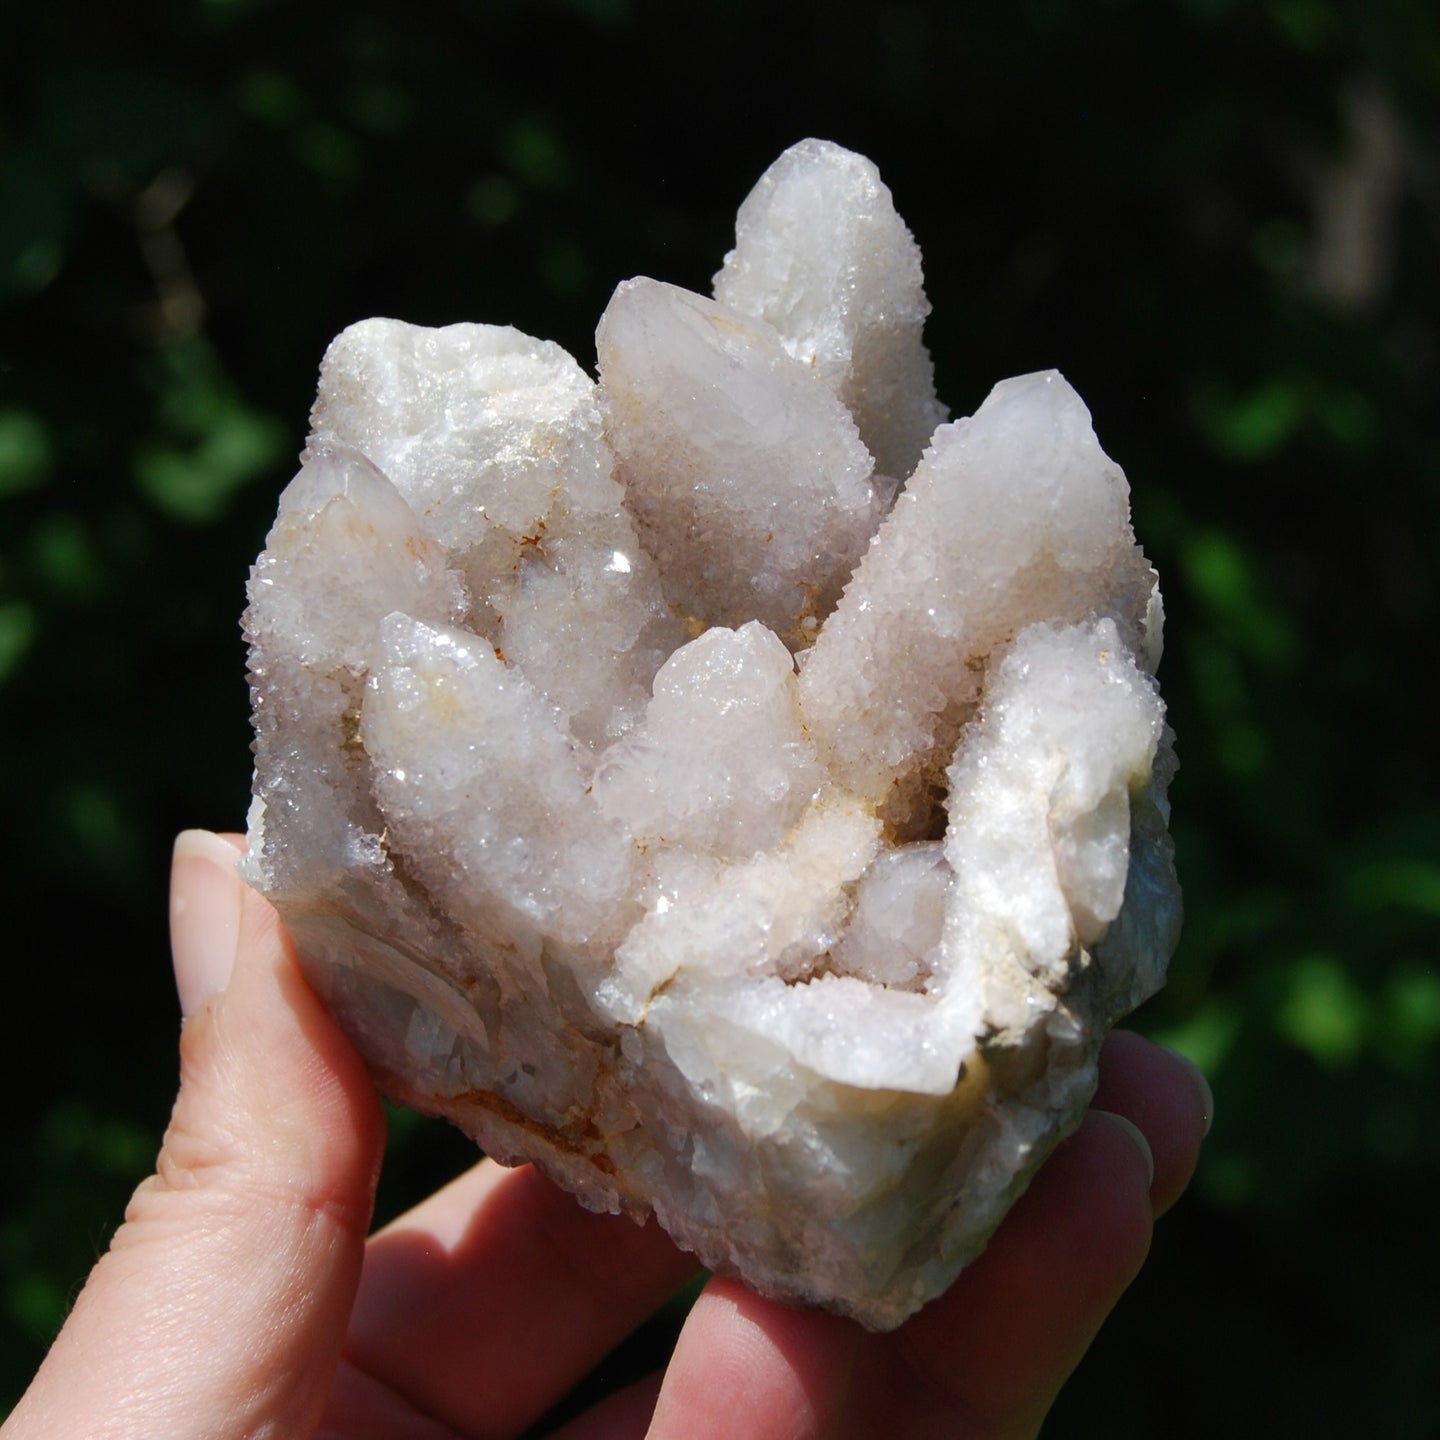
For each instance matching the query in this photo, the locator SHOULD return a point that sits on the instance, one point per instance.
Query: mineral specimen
(728, 786)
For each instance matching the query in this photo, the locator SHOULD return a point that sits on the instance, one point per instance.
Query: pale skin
(242, 1297)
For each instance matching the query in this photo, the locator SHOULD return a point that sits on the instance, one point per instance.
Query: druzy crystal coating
(731, 785)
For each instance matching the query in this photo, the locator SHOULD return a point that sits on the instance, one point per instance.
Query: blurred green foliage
(1218, 217)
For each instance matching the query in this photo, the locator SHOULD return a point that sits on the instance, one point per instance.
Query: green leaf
(25, 452)
(17, 634)
(1324, 1012)
(196, 485)
(1227, 580)
(1250, 426)
(536, 153)
(212, 442)
(1411, 884)
(1208, 1036)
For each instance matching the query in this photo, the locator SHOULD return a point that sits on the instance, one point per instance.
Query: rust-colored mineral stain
(580, 1138)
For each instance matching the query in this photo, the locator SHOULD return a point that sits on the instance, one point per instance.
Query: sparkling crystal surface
(731, 786)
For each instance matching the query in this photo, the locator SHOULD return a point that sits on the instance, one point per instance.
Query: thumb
(221, 1305)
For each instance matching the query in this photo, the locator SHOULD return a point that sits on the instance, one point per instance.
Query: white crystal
(610, 828)
(1014, 515)
(494, 440)
(722, 762)
(821, 254)
(746, 474)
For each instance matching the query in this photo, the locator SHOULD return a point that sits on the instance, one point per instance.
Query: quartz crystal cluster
(730, 785)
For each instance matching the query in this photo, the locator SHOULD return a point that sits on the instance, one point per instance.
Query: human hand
(241, 1297)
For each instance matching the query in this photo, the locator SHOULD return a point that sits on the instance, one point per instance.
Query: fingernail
(1207, 1096)
(1137, 1135)
(205, 899)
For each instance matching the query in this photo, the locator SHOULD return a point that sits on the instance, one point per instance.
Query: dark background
(1221, 220)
